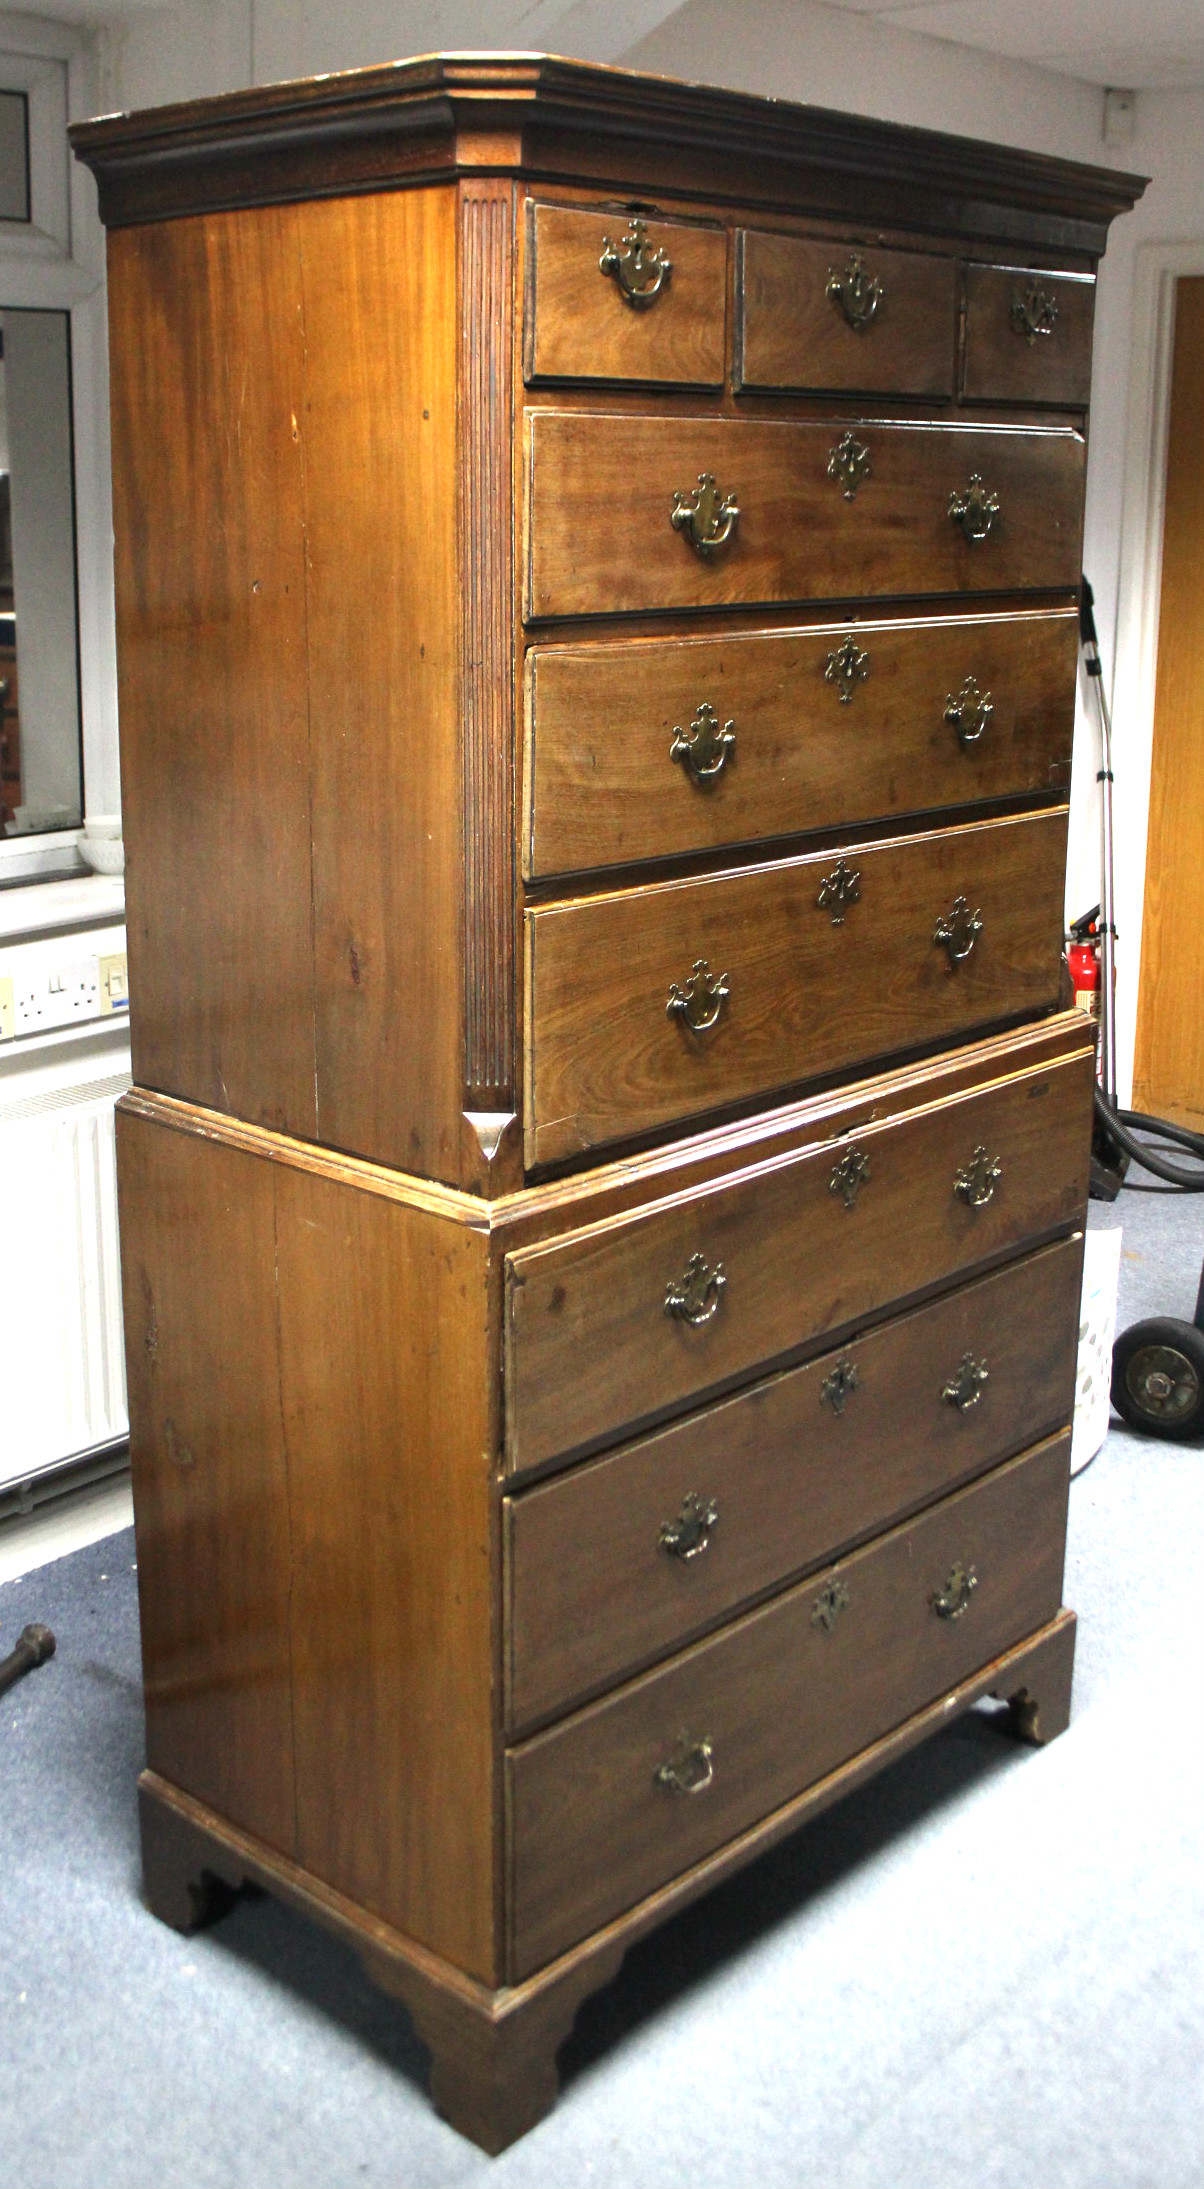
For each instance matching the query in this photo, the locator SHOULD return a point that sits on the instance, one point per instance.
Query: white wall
(795, 49)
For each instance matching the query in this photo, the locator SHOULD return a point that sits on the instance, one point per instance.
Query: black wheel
(1158, 1377)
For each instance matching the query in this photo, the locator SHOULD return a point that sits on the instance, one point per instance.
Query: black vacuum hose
(1118, 1123)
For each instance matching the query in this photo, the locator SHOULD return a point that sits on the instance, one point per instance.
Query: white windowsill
(44, 908)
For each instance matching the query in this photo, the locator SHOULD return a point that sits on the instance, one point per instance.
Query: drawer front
(633, 1790)
(653, 749)
(1028, 336)
(811, 313)
(805, 1246)
(603, 492)
(624, 1559)
(612, 298)
(653, 1005)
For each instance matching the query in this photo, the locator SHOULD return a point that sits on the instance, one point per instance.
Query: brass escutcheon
(969, 712)
(841, 888)
(640, 268)
(849, 1174)
(694, 1297)
(846, 667)
(960, 1584)
(964, 1387)
(702, 999)
(835, 1389)
(958, 930)
(849, 463)
(688, 1535)
(828, 1606)
(855, 293)
(703, 748)
(707, 517)
(690, 1769)
(977, 1181)
(974, 509)
(1033, 313)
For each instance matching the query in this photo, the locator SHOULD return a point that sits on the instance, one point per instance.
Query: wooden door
(1168, 1076)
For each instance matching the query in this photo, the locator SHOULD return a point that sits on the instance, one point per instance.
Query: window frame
(55, 262)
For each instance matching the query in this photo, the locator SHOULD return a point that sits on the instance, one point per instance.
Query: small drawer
(633, 1790)
(640, 513)
(652, 749)
(611, 296)
(636, 1319)
(811, 313)
(622, 1560)
(652, 1005)
(1028, 336)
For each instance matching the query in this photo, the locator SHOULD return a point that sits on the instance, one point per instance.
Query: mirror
(41, 771)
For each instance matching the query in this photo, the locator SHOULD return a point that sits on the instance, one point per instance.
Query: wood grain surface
(606, 1058)
(791, 334)
(210, 1466)
(602, 786)
(1169, 1067)
(207, 376)
(579, 324)
(590, 1348)
(593, 1593)
(315, 1437)
(780, 1700)
(601, 491)
(1001, 364)
(383, 615)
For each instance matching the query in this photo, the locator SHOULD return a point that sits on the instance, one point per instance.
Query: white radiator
(63, 1392)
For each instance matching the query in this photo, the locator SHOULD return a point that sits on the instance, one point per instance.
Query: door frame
(1157, 267)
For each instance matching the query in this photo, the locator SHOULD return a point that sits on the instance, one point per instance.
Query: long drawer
(620, 1561)
(827, 511)
(649, 1005)
(631, 1791)
(762, 1264)
(656, 748)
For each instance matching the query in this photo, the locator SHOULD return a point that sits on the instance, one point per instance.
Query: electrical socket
(114, 982)
(8, 1018)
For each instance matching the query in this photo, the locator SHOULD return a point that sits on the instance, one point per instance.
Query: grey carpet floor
(984, 1969)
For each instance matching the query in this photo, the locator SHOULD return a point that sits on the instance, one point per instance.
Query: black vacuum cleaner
(1157, 1364)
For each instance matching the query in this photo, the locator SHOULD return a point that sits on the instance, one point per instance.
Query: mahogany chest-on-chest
(601, 1201)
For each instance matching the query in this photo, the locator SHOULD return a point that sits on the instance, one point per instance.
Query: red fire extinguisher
(1083, 957)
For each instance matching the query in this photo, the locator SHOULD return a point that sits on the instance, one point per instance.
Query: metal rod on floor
(34, 1645)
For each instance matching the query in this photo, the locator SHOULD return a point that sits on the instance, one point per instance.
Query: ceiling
(1134, 45)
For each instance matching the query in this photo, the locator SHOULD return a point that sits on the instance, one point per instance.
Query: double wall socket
(59, 982)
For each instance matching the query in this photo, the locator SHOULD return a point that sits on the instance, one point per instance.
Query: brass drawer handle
(1033, 313)
(689, 1770)
(707, 517)
(965, 1386)
(849, 464)
(688, 1536)
(855, 293)
(846, 667)
(960, 1584)
(959, 930)
(970, 712)
(849, 1174)
(703, 748)
(835, 1389)
(974, 509)
(694, 1297)
(702, 999)
(977, 1181)
(640, 269)
(828, 1606)
(839, 889)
